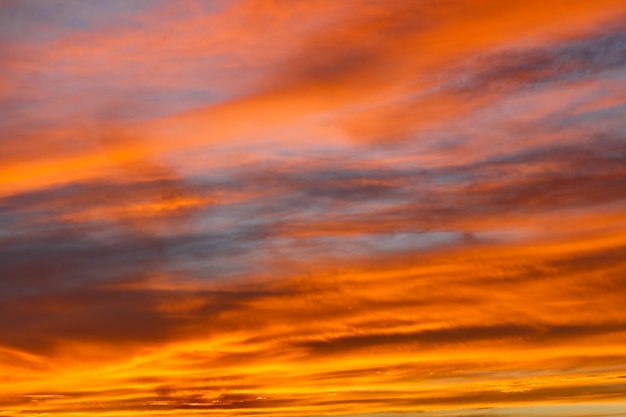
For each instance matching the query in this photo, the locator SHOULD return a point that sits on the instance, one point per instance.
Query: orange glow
(313, 208)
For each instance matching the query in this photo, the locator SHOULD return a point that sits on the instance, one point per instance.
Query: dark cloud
(461, 335)
(115, 316)
(49, 246)
(477, 82)
(566, 61)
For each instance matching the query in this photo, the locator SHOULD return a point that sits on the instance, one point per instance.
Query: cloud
(312, 208)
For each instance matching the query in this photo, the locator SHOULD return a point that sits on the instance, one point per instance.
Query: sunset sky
(313, 208)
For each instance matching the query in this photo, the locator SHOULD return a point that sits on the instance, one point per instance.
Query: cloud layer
(295, 208)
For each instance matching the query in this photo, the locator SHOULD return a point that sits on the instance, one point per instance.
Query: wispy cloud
(318, 208)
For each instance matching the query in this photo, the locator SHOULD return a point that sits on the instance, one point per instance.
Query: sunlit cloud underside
(313, 208)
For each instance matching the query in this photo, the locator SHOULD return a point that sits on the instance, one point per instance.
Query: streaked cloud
(267, 207)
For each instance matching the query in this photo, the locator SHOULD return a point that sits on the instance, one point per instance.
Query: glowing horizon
(313, 208)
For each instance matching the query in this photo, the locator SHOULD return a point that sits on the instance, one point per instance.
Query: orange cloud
(296, 208)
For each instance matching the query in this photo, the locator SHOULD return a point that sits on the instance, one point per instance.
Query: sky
(358, 208)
